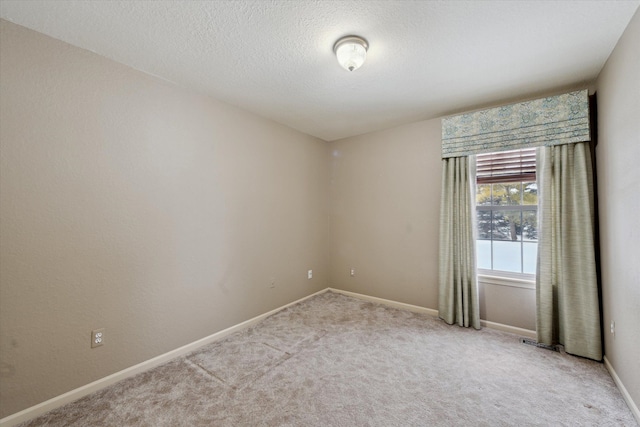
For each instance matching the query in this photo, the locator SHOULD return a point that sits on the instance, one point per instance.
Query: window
(507, 212)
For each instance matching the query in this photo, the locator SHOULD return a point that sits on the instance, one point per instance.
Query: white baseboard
(430, 311)
(70, 396)
(511, 329)
(387, 302)
(79, 392)
(625, 394)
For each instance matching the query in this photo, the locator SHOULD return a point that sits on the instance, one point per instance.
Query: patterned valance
(561, 119)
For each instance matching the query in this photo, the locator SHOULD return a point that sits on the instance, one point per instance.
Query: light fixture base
(351, 51)
(350, 39)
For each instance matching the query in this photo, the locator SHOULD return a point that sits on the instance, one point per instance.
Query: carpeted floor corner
(333, 360)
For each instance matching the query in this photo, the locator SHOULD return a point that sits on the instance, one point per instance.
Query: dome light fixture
(351, 52)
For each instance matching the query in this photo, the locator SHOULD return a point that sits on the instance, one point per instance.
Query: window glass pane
(506, 225)
(530, 225)
(484, 224)
(530, 193)
(507, 194)
(483, 194)
(483, 252)
(507, 256)
(529, 257)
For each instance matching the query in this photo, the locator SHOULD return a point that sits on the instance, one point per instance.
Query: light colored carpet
(333, 360)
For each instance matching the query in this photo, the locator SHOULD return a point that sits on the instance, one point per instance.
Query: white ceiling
(275, 58)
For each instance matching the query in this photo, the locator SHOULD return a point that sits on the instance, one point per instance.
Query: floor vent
(535, 343)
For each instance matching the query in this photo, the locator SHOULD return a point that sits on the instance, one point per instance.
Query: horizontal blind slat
(506, 166)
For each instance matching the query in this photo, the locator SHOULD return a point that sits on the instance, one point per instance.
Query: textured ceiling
(275, 58)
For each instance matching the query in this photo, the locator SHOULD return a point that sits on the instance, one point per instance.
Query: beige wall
(508, 305)
(618, 155)
(384, 222)
(384, 208)
(130, 204)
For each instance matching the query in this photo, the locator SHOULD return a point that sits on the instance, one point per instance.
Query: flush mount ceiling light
(351, 52)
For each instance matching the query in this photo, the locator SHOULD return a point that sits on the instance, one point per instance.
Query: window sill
(526, 281)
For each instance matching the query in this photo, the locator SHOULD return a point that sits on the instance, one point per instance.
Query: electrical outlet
(353, 272)
(310, 274)
(97, 338)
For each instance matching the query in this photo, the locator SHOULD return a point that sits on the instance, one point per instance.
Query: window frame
(522, 173)
(507, 278)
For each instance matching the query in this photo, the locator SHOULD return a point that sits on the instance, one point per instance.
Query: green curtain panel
(458, 286)
(560, 119)
(566, 283)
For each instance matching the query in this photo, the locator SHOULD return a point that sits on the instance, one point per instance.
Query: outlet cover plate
(97, 338)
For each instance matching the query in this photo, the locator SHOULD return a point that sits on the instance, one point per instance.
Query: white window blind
(506, 166)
